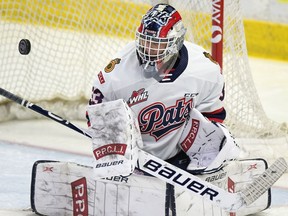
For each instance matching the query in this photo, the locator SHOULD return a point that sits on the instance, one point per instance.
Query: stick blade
(265, 181)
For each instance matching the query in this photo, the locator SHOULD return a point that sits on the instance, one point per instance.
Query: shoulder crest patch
(111, 65)
(209, 56)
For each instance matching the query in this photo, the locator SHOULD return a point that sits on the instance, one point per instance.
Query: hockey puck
(24, 46)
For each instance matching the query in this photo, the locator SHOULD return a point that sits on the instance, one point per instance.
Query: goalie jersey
(162, 106)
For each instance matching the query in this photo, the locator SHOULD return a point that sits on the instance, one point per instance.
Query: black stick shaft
(41, 111)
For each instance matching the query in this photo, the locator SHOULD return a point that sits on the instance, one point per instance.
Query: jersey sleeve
(212, 105)
(102, 91)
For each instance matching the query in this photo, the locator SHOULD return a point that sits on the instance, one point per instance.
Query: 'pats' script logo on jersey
(158, 120)
(138, 97)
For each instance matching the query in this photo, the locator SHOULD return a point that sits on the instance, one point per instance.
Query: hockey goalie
(116, 185)
(159, 143)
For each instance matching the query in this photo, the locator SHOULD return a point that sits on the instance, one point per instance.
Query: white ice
(24, 142)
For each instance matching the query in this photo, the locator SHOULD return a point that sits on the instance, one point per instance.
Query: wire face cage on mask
(154, 49)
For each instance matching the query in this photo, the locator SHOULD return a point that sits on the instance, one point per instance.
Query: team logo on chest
(138, 97)
(159, 120)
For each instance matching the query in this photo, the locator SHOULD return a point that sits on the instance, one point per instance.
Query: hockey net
(73, 40)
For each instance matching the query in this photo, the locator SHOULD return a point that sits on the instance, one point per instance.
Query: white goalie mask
(159, 39)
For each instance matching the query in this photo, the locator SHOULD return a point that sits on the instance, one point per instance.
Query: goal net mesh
(72, 40)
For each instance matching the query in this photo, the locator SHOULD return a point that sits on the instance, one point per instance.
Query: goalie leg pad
(62, 188)
(233, 177)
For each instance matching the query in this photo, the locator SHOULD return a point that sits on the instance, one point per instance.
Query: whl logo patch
(138, 97)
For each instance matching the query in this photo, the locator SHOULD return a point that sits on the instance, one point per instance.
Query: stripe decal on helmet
(140, 29)
(175, 17)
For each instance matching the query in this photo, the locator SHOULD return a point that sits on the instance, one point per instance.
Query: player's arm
(113, 127)
(208, 144)
(102, 91)
(205, 140)
(115, 135)
(212, 106)
(215, 110)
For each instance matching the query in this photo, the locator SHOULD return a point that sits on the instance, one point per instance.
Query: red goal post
(217, 31)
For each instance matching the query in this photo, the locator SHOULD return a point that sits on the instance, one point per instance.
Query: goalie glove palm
(208, 144)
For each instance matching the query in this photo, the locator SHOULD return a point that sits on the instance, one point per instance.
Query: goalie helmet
(159, 38)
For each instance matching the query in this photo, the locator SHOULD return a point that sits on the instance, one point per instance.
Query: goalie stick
(169, 173)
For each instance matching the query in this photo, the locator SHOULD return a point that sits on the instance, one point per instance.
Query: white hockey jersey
(162, 107)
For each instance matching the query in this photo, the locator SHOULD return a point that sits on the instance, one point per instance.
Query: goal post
(217, 31)
(71, 40)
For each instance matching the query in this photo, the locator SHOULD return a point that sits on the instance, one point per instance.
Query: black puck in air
(24, 46)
